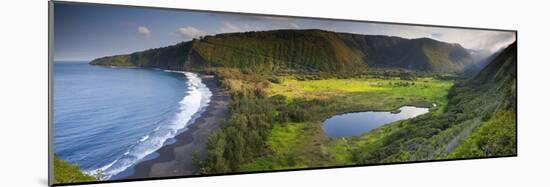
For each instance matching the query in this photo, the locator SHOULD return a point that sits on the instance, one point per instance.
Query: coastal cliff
(301, 50)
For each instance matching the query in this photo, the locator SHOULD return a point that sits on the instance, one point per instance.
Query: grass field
(376, 94)
(292, 145)
(302, 145)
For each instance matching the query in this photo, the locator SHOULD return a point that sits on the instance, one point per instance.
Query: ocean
(109, 119)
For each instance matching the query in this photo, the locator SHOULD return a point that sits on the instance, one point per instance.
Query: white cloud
(468, 38)
(228, 27)
(190, 32)
(474, 39)
(144, 31)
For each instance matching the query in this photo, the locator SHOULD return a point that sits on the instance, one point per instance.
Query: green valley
(304, 144)
(142, 93)
(285, 83)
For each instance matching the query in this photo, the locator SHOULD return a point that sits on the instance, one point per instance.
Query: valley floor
(304, 144)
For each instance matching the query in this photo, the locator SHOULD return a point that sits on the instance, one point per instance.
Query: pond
(357, 123)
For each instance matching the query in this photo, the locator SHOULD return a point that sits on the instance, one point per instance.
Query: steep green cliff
(303, 50)
(479, 121)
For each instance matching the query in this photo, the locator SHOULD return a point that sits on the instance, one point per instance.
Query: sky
(84, 32)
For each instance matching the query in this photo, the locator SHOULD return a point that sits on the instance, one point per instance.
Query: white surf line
(191, 107)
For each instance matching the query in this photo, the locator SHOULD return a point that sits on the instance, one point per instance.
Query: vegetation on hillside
(281, 50)
(171, 57)
(302, 51)
(478, 121)
(65, 172)
(495, 137)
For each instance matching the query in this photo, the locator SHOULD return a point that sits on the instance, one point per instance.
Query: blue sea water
(109, 119)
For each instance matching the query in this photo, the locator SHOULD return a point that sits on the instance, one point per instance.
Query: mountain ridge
(307, 50)
(478, 121)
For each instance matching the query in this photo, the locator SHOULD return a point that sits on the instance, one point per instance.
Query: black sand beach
(176, 159)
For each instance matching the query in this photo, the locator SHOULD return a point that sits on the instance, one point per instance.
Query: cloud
(248, 18)
(469, 38)
(228, 27)
(497, 40)
(144, 31)
(473, 38)
(190, 32)
(436, 35)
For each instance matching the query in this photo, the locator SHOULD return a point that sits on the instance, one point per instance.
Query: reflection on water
(354, 124)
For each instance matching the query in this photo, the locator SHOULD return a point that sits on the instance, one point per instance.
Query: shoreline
(176, 159)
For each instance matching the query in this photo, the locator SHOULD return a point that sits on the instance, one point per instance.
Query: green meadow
(372, 93)
(301, 145)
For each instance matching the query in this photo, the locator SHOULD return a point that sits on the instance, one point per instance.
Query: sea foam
(190, 108)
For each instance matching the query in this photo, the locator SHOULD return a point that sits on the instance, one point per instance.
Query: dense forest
(475, 117)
